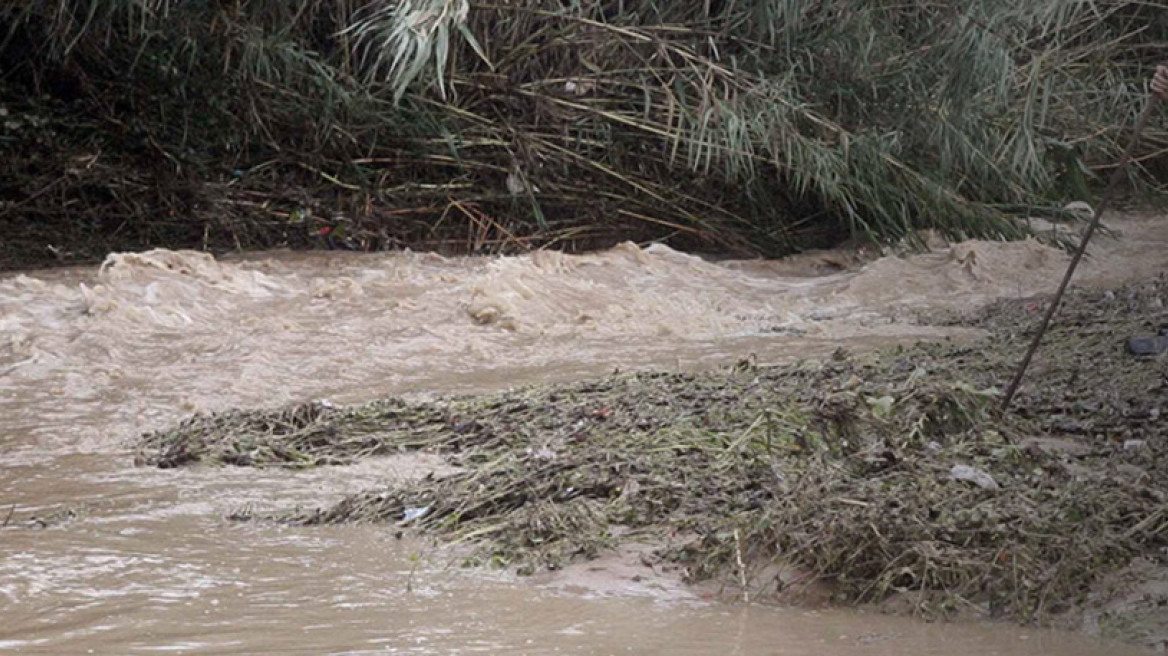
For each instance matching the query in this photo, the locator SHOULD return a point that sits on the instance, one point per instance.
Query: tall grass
(759, 124)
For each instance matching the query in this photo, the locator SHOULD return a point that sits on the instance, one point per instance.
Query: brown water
(89, 358)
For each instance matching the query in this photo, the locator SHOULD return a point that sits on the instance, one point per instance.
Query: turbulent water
(100, 557)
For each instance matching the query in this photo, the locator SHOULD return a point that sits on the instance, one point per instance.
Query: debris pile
(889, 475)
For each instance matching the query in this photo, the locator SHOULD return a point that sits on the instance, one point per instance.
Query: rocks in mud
(975, 476)
(1143, 345)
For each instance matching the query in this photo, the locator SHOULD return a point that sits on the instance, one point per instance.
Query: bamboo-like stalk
(731, 126)
(1100, 208)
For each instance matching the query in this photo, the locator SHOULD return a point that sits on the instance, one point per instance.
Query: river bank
(652, 469)
(886, 477)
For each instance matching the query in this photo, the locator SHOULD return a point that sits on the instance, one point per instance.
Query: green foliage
(766, 124)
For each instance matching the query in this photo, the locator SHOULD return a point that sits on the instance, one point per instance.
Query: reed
(754, 125)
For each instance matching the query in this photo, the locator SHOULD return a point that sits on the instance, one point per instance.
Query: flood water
(142, 561)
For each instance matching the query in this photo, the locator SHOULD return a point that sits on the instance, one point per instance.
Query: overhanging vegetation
(755, 125)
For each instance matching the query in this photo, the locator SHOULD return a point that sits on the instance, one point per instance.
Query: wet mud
(891, 474)
(762, 418)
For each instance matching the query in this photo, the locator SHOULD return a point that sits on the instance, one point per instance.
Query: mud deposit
(887, 475)
(777, 432)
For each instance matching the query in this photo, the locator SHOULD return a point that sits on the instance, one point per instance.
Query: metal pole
(1104, 201)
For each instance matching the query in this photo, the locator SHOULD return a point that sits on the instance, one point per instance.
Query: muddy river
(100, 557)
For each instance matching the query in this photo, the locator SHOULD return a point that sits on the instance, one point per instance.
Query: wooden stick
(1104, 201)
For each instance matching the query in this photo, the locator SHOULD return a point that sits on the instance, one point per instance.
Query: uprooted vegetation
(757, 126)
(883, 473)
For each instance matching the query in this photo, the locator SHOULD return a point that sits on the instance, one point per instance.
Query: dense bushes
(756, 125)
